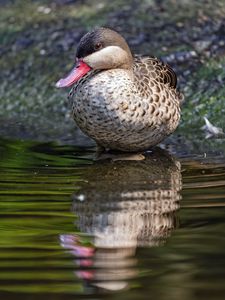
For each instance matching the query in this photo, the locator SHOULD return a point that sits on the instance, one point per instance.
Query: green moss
(206, 95)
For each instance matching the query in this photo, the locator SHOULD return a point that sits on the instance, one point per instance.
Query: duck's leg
(100, 149)
(101, 153)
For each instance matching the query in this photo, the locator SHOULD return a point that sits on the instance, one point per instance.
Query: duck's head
(100, 49)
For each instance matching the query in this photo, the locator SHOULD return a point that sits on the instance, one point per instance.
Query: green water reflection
(74, 228)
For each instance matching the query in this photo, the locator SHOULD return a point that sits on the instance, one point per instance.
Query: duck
(122, 101)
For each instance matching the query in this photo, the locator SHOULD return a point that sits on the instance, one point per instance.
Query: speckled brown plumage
(129, 107)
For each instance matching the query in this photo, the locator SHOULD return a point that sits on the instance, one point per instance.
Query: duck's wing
(153, 68)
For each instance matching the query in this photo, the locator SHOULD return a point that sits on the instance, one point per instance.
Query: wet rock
(65, 2)
(140, 38)
(44, 9)
(22, 43)
(180, 56)
(202, 45)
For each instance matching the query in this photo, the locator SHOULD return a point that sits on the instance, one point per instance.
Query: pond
(75, 228)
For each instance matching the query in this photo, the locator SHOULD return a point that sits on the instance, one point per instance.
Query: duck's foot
(104, 154)
(128, 156)
(119, 156)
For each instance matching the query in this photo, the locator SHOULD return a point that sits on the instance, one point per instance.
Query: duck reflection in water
(122, 206)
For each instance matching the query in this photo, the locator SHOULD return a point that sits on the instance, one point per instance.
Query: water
(72, 228)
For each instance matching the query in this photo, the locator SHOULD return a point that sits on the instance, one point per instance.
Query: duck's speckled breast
(118, 113)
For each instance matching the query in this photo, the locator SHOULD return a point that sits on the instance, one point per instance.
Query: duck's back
(148, 68)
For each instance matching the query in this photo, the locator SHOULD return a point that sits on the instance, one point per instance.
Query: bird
(122, 101)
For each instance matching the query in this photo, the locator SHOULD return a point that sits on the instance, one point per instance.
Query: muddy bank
(39, 38)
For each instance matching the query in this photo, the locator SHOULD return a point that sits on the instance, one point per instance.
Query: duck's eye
(98, 46)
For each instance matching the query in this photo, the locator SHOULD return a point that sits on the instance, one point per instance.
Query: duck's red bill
(77, 72)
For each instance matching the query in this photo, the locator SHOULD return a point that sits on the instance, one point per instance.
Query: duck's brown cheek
(80, 69)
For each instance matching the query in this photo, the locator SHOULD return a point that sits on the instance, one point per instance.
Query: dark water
(72, 228)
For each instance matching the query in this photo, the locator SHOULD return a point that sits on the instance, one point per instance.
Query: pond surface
(72, 228)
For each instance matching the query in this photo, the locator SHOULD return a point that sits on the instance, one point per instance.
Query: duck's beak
(79, 70)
